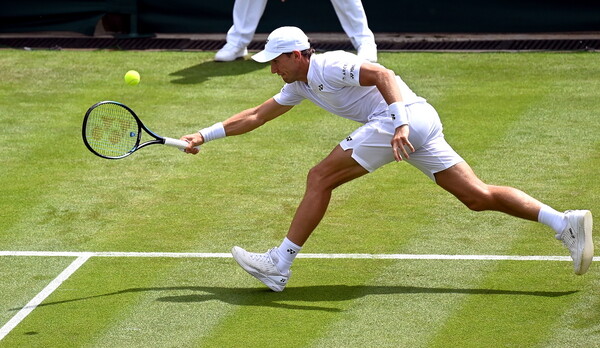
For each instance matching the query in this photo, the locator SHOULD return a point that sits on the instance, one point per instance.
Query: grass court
(137, 248)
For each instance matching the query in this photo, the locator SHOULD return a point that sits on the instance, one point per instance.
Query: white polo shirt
(333, 84)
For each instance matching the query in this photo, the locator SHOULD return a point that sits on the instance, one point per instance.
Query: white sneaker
(367, 51)
(262, 267)
(229, 53)
(577, 237)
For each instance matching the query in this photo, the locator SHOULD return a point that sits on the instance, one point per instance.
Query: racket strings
(111, 130)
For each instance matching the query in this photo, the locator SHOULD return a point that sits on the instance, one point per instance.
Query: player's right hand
(193, 141)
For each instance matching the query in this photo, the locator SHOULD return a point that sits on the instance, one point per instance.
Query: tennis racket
(112, 130)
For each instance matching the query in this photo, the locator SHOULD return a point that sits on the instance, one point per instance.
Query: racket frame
(157, 138)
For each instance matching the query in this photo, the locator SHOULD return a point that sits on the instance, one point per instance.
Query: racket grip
(180, 144)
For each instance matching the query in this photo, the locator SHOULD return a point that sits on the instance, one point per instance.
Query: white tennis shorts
(371, 144)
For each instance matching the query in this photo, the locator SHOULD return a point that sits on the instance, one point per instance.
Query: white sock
(550, 217)
(287, 252)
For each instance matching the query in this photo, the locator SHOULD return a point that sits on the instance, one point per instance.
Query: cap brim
(265, 56)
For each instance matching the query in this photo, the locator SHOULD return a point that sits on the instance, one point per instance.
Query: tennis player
(397, 125)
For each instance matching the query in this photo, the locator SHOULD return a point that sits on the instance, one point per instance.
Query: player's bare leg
(573, 227)
(461, 181)
(336, 169)
(273, 267)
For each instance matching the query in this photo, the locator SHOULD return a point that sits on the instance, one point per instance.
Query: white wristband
(213, 132)
(398, 113)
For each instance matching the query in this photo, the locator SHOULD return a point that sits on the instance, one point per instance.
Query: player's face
(286, 66)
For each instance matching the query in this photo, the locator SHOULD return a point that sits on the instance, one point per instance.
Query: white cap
(282, 40)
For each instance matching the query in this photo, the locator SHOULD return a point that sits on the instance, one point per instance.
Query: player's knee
(318, 179)
(475, 205)
(479, 201)
(315, 176)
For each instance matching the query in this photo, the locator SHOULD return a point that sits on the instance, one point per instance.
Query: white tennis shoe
(577, 237)
(229, 53)
(263, 267)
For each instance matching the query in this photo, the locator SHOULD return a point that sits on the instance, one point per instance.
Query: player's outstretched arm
(237, 124)
(253, 118)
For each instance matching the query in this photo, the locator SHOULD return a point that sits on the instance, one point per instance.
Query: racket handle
(180, 144)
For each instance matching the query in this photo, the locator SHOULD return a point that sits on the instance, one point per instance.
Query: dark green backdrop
(202, 16)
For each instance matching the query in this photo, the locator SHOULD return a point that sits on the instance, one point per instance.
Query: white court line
(305, 255)
(113, 254)
(39, 298)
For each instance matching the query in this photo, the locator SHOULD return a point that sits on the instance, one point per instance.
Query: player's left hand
(400, 143)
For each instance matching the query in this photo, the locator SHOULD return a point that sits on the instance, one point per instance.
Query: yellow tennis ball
(132, 78)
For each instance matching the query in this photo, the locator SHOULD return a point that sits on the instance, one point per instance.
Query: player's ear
(297, 54)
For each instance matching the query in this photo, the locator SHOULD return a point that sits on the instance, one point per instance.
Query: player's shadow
(308, 297)
(204, 71)
(302, 297)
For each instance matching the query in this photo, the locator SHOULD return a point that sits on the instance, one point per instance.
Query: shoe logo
(571, 232)
(291, 252)
(282, 280)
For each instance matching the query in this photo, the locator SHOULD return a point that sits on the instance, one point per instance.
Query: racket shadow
(205, 71)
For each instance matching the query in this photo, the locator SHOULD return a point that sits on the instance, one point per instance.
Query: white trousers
(247, 14)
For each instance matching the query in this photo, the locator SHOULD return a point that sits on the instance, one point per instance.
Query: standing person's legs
(353, 19)
(246, 16)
